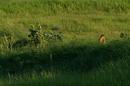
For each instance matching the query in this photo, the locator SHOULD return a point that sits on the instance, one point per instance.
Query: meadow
(56, 42)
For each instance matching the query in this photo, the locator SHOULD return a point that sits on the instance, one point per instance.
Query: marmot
(102, 39)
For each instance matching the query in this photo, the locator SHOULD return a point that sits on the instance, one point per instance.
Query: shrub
(40, 36)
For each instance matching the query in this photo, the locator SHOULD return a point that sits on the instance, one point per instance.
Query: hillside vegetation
(56, 42)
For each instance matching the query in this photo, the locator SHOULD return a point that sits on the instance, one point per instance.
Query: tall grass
(113, 73)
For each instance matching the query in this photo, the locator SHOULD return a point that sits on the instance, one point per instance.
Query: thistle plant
(36, 34)
(4, 44)
(11, 41)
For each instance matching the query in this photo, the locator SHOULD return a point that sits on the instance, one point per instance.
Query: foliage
(38, 35)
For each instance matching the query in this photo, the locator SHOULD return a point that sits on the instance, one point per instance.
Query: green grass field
(32, 53)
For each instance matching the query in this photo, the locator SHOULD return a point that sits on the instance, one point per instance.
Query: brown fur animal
(102, 39)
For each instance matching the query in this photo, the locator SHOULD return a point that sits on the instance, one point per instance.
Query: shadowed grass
(66, 57)
(112, 73)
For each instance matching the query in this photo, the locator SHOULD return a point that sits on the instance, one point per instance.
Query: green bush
(39, 35)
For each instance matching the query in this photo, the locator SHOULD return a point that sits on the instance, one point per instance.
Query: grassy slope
(83, 22)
